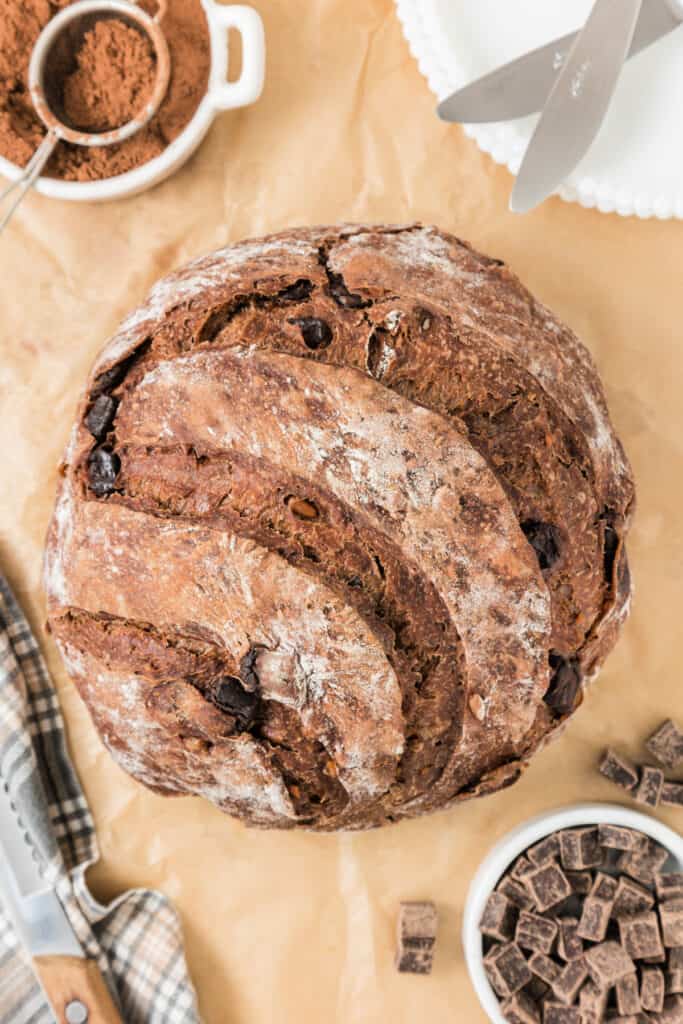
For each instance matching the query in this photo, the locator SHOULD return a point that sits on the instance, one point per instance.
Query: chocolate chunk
(297, 292)
(535, 932)
(672, 1012)
(548, 885)
(672, 794)
(619, 770)
(499, 918)
(516, 893)
(628, 995)
(671, 917)
(569, 944)
(666, 744)
(631, 898)
(103, 468)
(231, 697)
(650, 786)
(669, 885)
(567, 986)
(597, 909)
(558, 1013)
(652, 989)
(643, 864)
(580, 881)
(545, 539)
(520, 1009)
(341, 294)
(544, 968)
(593, 1003)
(507, 969)
(248, 674)
(565, 683)
(674, 982)
(547, 849)
(416, 937)
(521, 867)
(100, 415)
(301, 508)
(676, 958)
(537, 990)
(640, 935)
(607, 963)
(614, 837)
(580, 849)
(316, 333)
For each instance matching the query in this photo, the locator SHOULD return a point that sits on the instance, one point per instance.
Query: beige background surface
(296, 929)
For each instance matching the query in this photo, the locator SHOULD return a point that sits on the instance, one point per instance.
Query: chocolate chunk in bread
(666, 744)
(371, 454)
(416, 937)
(619, 770)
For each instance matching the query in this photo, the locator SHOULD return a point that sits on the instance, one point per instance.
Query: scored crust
(340, 529)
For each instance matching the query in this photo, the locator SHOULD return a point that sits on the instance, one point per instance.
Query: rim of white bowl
(515, 842)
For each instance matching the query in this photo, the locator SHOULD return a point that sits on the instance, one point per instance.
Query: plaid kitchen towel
(136, 940)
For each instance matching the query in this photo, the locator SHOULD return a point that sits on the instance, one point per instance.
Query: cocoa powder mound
(21, 131)
(114, 77)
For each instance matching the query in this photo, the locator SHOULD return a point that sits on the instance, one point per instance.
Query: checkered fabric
(136, 940)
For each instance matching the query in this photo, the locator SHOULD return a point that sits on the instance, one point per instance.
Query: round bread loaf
(340, 529)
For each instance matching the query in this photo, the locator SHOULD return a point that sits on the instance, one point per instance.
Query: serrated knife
(521, 87)
(578, 102)
(73, 984)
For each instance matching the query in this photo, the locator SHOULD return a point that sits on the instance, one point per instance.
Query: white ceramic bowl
(514, 843)
(220, 95)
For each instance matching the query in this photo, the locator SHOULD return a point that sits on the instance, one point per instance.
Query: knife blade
(73, 984)
(577, 103)
(521, 87)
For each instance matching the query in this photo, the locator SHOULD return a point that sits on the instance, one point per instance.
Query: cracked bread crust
(340, 529)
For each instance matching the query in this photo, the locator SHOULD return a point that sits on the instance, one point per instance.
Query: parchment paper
(299, 929)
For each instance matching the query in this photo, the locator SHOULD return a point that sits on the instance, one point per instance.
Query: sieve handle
(26, 179)
(223, 94)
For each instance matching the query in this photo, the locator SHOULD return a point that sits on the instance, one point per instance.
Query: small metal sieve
(61, 36)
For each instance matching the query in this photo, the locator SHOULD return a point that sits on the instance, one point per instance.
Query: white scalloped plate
(635, 166)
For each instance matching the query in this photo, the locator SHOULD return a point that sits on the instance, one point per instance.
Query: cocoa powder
(113, 79)
(21, 131)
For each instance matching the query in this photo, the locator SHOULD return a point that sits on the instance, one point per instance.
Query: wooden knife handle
(70, 980)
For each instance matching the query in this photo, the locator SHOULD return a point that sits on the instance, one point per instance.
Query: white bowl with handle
(509, 848)
(220, 95)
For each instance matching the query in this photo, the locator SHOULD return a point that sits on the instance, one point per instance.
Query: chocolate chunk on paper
(521, 1009)
(535, 932)
(507, 969)
(672, 794)
(499, 918)
(666, 744)
(640, 935)
(548, 885)
(652, 989)
(416, 937)
(607, 963)
(649, 788)
(619, 770)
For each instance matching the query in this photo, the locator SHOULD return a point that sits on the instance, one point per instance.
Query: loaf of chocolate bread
(340, 530)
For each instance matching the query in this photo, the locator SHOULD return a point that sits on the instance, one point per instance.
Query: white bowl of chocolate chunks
(576, 917)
